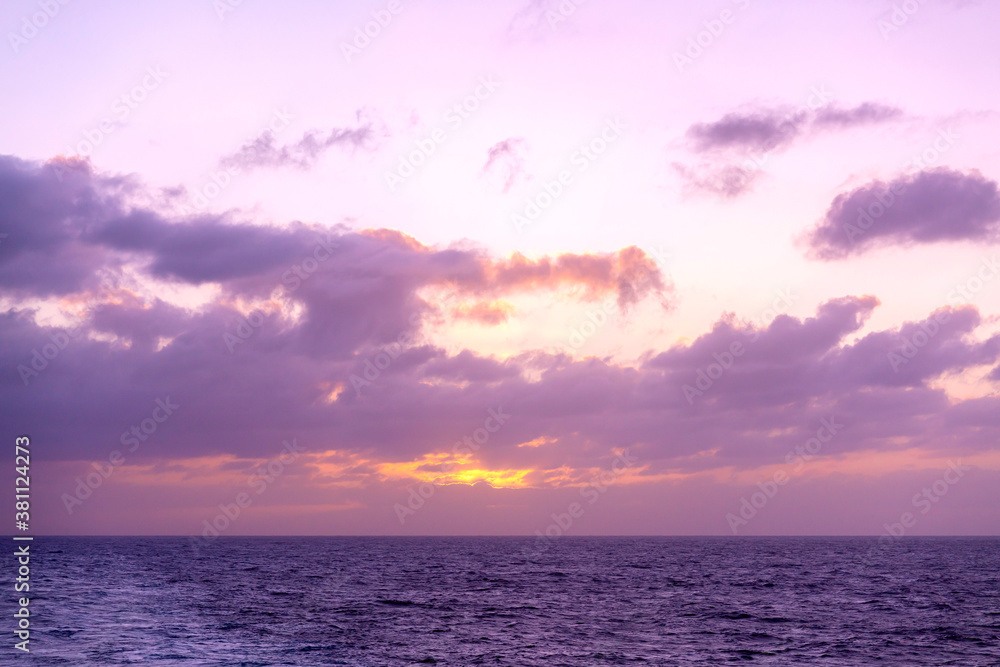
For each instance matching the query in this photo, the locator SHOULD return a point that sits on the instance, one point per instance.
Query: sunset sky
(493, 264)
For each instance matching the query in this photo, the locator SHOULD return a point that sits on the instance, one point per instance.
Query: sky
(526, 267)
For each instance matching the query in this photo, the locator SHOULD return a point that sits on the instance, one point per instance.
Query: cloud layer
(323, 334)
(327, 303)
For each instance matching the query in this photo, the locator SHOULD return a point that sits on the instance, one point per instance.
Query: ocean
(504, 601)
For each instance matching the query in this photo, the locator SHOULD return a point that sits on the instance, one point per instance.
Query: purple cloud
(930, 206)
(737, 145)
(790, 374)
(361, 316)
(264, 151)
(758, 131)
(506, 158)
(772, 129)
(863, 114)
(46, 211)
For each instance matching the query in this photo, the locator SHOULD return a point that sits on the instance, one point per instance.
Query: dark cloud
(203, 249)
(44, 211)
(929, 206)
(467, 367)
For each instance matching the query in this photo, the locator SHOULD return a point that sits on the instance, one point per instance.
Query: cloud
(492, 313)
(467, 367)
(792, 373)
(264, 151)
(506, 160)
(736, 147)
(332, 349)
(930, 206)
(758, 131)
(46, 211)
(767, 130)
(728, 181)
(355, 288)
(630, 273)
(202, 249)
(334, 495)
(863, 114)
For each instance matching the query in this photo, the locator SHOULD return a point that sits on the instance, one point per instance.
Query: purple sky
(671, 268)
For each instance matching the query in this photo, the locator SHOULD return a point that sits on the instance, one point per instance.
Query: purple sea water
(497, 601)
